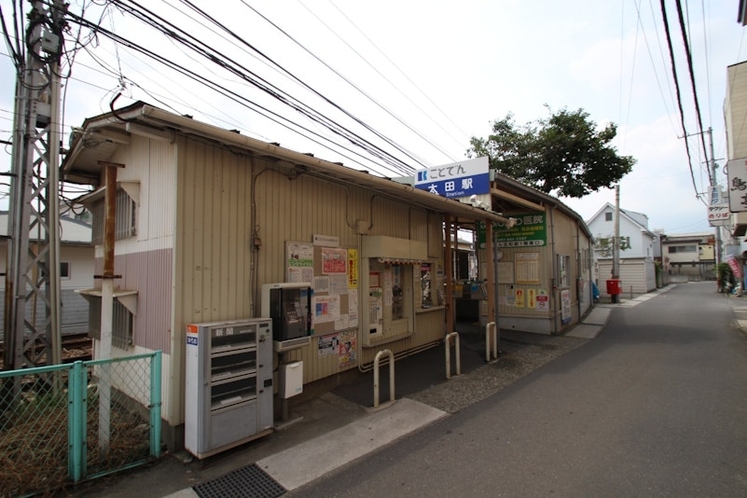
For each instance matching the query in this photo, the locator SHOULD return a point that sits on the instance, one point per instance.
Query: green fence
(65, 423)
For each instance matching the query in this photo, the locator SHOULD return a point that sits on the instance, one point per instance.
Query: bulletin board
(333, 273)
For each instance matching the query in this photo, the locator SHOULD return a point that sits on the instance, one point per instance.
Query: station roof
(100, 137)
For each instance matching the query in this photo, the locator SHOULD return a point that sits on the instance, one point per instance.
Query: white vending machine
(228, 389)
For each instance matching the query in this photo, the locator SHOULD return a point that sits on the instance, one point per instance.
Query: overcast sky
(428, 75)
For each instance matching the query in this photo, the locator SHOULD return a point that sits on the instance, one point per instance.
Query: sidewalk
(341, 426)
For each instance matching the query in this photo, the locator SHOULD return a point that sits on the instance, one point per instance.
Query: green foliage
(725, 277)
(564, 153)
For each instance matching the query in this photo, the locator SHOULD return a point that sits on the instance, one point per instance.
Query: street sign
(718, 208)
(462, 179)
(737, 173)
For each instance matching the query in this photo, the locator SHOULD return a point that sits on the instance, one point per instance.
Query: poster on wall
(565, 303)
(352, 307)
(334, 261)
(327, 345)
(299, 262)
(326, 308)
(519, 298)
(543, 301)
(526, 270)
(353, 268)
(531, 298)
(347, 348)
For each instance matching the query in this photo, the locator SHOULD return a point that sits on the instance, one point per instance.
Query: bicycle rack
(491, 334)
(376, 375)
(447, 344)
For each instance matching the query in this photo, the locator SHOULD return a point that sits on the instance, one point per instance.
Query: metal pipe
(491, 333)
(447, 344)
(376, 375)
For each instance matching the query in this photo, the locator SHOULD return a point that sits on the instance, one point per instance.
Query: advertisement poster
(353, 268)
(531, 298)
(565, 302)
(326, 308)
(543, 301)
(347, 348)
(353, 307)
(299, 262)
(327, 345)
(519, 298)
(334, 261)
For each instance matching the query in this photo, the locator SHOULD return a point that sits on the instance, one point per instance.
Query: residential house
(689, 256)
(637, 249)
(76, 272)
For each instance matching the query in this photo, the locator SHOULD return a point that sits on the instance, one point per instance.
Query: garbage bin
(614, 287)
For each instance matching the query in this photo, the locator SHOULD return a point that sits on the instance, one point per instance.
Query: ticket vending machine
(228, 385)
(288, 305)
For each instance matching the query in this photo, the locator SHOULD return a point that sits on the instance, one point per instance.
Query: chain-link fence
(61, 424)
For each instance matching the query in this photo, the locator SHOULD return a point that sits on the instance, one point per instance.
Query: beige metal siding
(735, 110)
(637, 275)
(226, 203)
(213, 236)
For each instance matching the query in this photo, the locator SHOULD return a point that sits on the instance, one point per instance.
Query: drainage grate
(249, 481)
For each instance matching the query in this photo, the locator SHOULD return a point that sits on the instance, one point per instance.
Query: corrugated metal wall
(216, 228)
(563, 238)
(636, 274)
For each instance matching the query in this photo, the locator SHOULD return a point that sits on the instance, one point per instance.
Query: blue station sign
(462, 179)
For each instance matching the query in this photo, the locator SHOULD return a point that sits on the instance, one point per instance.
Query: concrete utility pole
(33, 271)
(714, 185)
(616, 242)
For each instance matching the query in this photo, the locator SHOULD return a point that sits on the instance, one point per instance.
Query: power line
(265, 112)
(677, 88)
(686, 43)
(369, 97)
(404, 168)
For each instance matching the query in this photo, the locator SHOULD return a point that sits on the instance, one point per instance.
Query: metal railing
(59, 426)
(376, 375)
(447, 344)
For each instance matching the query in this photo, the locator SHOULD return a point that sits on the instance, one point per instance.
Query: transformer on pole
(32, 284)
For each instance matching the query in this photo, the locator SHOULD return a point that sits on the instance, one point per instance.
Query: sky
(416, 79)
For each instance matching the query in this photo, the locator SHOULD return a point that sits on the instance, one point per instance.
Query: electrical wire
(346, 80)
(677, 88)
(688, 55)
(404, 169)
(228, 64)
(407, 78)
(267, 113)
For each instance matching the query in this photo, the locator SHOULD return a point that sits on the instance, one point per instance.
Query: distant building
(637, 270)
(76, 271)
(689, 256)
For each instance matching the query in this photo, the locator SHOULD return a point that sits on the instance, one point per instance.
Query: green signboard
(530, 231)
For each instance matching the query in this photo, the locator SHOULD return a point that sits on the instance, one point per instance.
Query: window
(681, 249)
(65, 270)
(121, 322)
(608, 216)
(125, 218)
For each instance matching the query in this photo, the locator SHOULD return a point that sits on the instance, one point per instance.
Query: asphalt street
(654, 406)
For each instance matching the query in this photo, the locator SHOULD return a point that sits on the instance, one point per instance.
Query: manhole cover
(249, 481)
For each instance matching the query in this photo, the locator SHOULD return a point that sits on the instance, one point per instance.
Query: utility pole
(714, 185)
(616, 242)
(33, 270)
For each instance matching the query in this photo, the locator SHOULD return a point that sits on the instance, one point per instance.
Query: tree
(565, 153)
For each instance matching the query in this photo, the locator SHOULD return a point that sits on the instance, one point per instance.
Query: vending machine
(228, 388)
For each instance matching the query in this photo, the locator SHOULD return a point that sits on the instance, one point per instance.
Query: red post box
(614, 287)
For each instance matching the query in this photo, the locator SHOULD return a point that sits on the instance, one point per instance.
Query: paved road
(655, 406)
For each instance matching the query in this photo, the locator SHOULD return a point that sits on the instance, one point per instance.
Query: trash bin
(614, 287)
